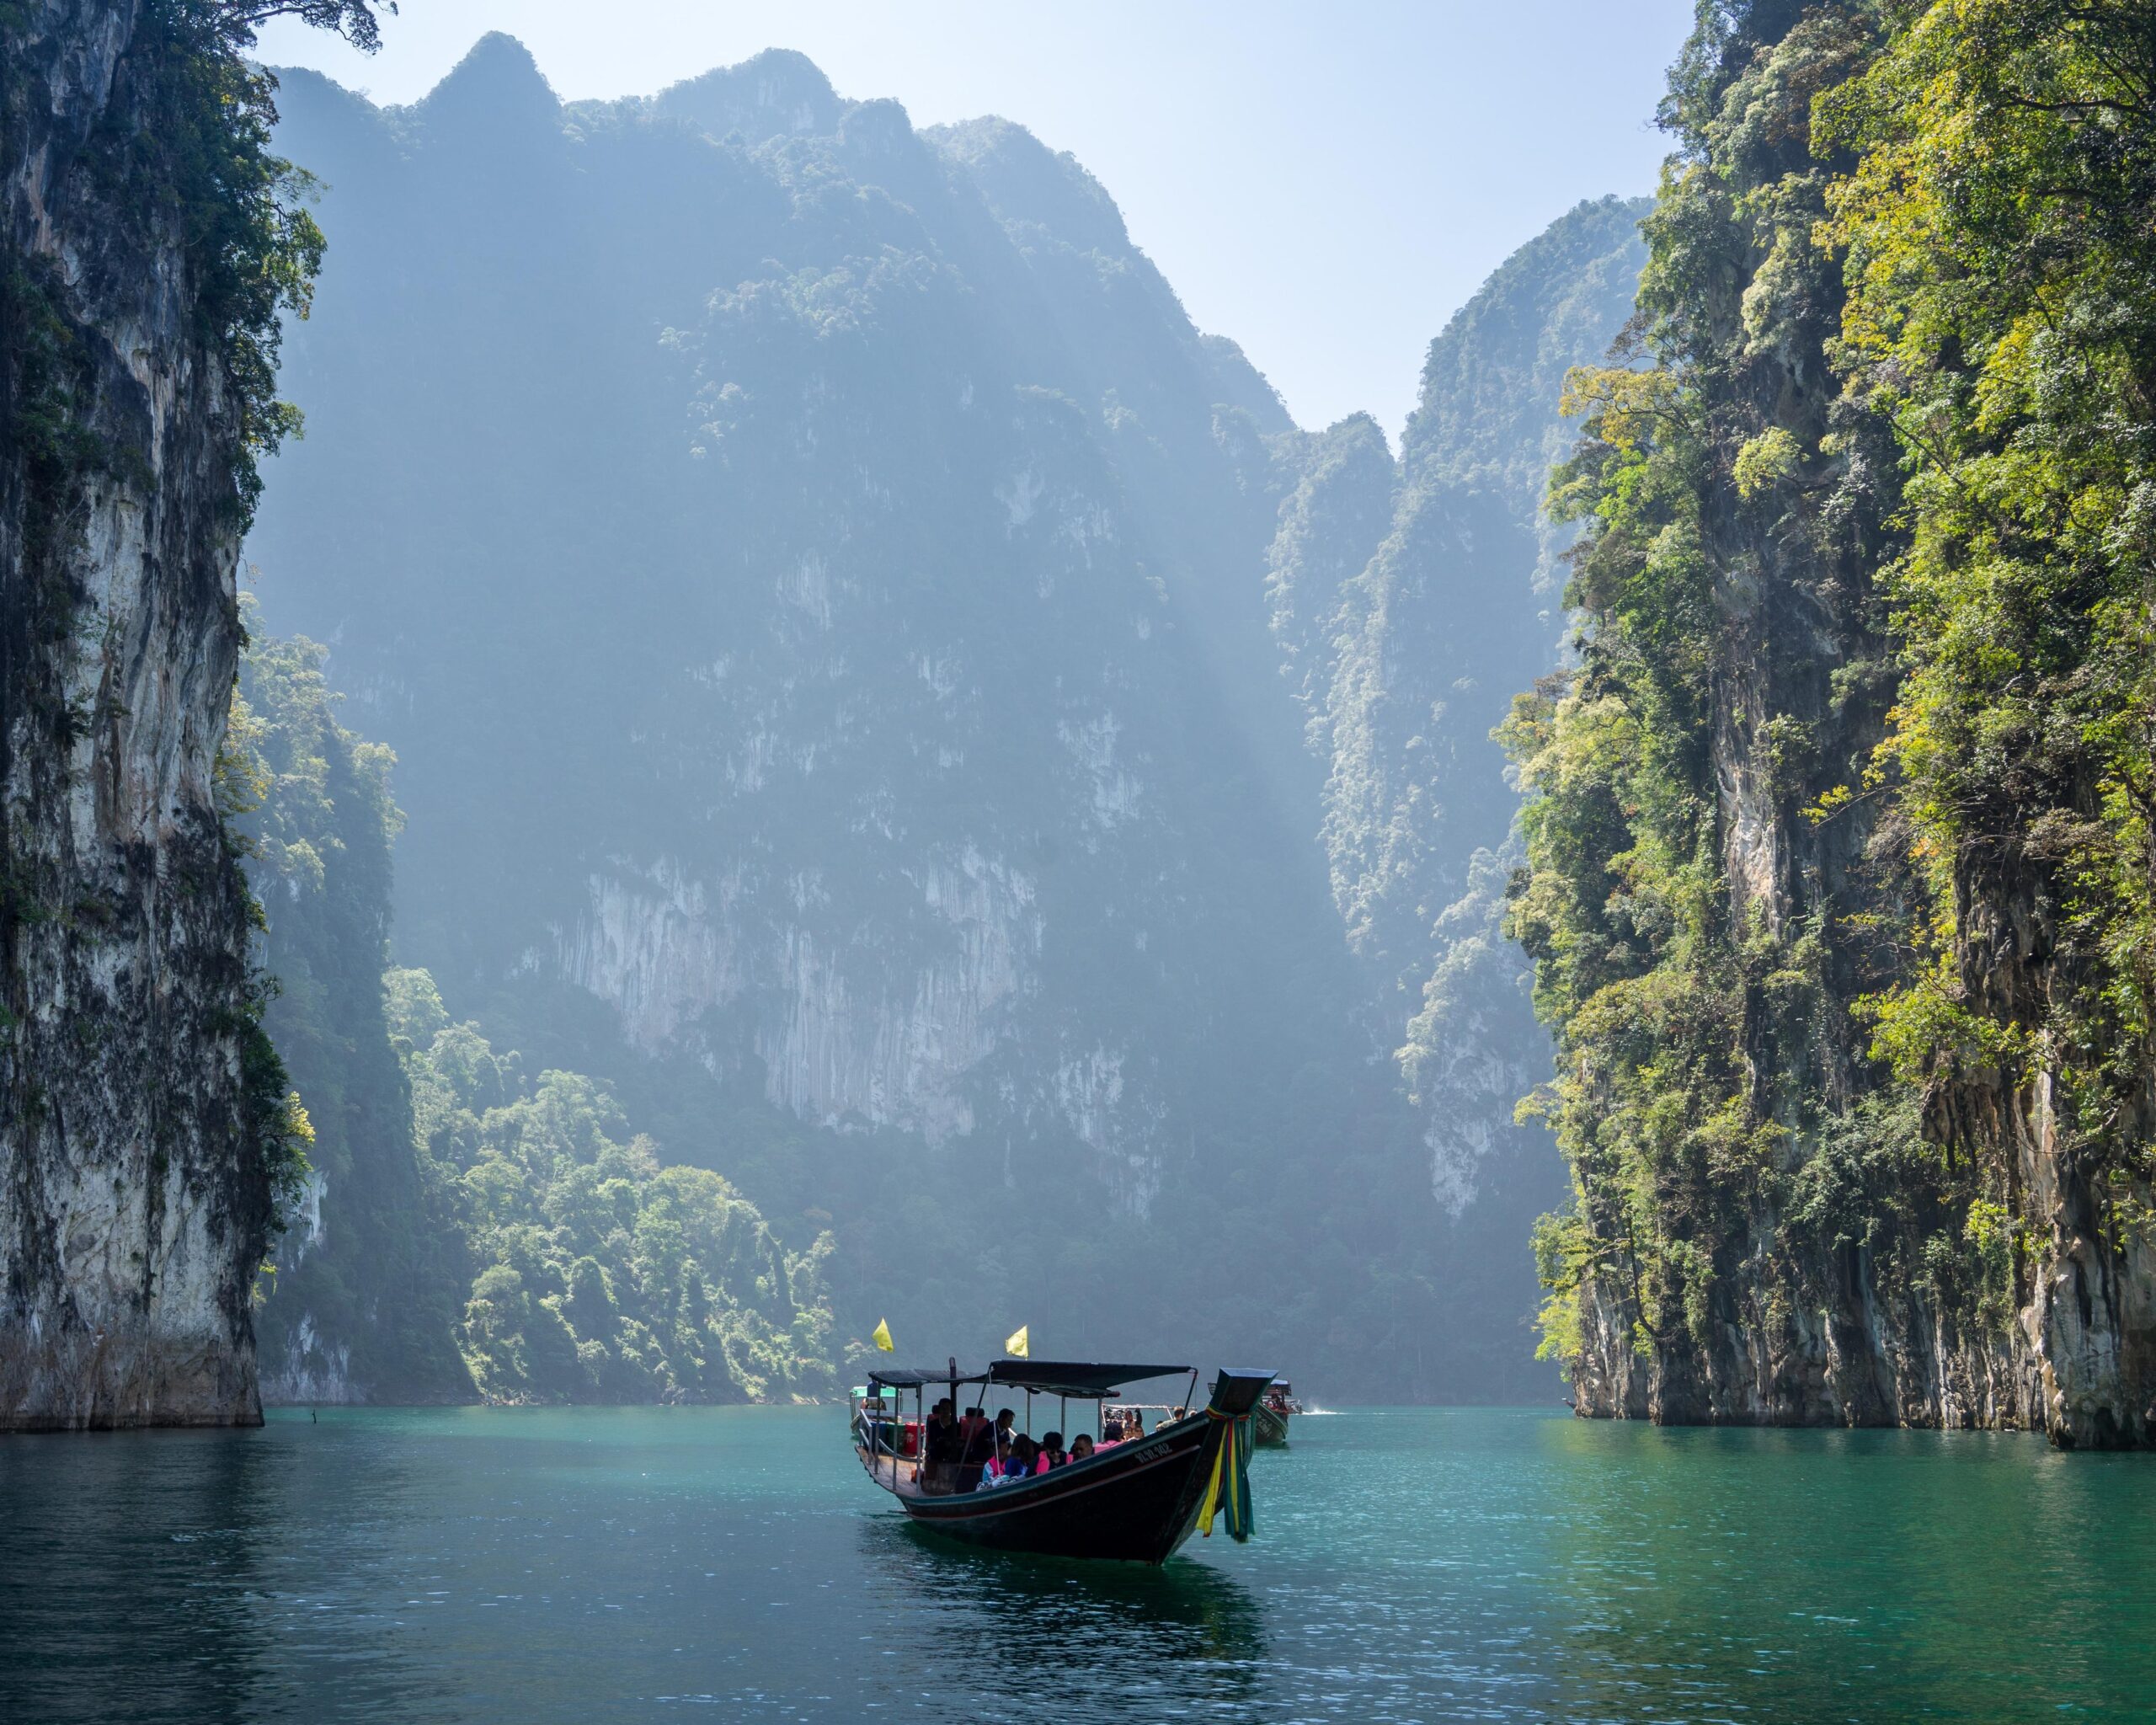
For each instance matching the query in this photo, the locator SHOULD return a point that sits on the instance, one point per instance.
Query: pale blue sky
(1325, 183)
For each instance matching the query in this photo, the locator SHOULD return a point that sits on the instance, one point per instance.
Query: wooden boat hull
(1268, 1427)
(1136, 1503)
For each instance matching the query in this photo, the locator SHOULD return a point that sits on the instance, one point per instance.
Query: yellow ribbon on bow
(1228, 1488)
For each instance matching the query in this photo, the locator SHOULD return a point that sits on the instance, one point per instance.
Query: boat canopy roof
(1044, 1377)
(1075, 1377)
(898, 1377)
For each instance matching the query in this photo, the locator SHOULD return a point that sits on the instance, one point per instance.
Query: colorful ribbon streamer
(1227, 1491)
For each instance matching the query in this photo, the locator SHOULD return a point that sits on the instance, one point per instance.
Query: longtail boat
(1274, 1409)
(1136, 1501)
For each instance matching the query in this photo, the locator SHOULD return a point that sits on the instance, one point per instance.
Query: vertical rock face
(133, 1207)
(848, 716)
(1826, 1154)
(813, 576)
(1764, 1238)
(1409, 601)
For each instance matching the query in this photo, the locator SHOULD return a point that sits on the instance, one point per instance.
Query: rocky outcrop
(136, 1092)
(823, 624)
(1408, 601)
(663, 951)
(934, 534)
(1815, 1063)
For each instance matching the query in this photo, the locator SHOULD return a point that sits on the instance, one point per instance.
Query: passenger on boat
(1013, 1465)
(1134, 1425)
(1052, 1452)
(942, 1443)
(1005, 1420)
(1082, 1447)
(976, 1439)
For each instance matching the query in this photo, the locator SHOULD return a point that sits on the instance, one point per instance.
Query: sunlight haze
(1016, 860)
(1325, 185)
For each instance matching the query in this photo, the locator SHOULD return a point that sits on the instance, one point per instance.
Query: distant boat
(1136, 1501)
(1271, 1416)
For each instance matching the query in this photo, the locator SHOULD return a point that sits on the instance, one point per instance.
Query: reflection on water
(165, 1576)
(596, 1565)
(188, 1534)
(1166, 1634)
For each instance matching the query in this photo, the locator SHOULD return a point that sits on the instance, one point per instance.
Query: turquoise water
(536, 1566)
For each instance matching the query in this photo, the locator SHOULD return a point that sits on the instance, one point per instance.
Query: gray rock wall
(132, 1213)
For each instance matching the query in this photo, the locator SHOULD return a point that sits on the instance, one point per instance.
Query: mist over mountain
(878, 690)
(1409, 603)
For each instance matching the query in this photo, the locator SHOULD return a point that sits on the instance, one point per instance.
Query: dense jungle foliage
(1840, 859)
(2002, 263)
(383, 1280)
(604, 1276)
(465, 1228)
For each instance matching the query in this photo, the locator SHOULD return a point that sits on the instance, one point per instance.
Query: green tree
(1840, 865)
(367, 1279)
(606, 1276)
(2003, 315)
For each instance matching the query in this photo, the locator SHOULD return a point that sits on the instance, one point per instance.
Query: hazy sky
(1324, 182)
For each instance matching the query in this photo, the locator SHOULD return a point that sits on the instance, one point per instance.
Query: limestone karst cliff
(813, 575)
(142, 1114)
(1407, 601)
(805, 612)
(1839, 857)
(874, 619)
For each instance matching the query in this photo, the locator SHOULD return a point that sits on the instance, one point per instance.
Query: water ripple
(1411, 1566)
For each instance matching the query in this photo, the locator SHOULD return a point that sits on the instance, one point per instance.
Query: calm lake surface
(536, 1566)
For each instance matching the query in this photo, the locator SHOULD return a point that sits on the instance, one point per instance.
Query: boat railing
(883, 1429)
(1156, 1413)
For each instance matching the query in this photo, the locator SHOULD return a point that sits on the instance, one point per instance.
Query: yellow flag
(1015, 1345)
(882, 1336)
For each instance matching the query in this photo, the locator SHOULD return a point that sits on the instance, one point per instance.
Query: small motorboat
(1273, 1411)
(1136, 1501)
